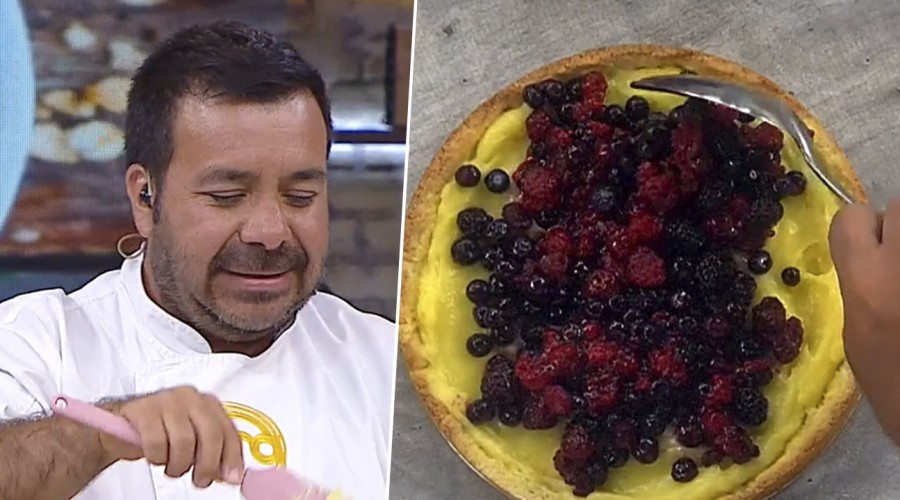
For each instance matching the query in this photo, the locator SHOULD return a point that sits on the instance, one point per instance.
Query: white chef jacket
(318, 401)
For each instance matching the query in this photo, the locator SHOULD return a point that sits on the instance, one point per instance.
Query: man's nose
(266, 225)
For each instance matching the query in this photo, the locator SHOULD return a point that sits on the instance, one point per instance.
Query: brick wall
(365, 241)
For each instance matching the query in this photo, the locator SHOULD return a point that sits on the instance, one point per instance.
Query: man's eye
(225, 199)
(301, 200)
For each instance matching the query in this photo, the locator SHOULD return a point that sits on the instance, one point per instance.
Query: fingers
(183, 430)
(231, 467)
(210, 440)
(854, 237)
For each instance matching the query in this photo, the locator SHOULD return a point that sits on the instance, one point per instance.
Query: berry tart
(612, 293)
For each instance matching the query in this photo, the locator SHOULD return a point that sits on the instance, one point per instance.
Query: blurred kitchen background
(64, 72)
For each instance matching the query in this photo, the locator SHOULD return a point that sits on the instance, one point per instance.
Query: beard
(187, 291)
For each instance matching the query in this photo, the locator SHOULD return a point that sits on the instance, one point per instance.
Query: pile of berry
(620, 289)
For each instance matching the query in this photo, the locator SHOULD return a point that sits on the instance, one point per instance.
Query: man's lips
(259, 282)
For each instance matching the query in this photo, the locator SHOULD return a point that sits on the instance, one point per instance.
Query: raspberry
(559, 139)
(540, 187)
(601, 284)
(536, 415)
(592, 331)
(556, 240)
(538, 125)
(601, 131)
(557, 362)
(646, 269)
(659, 192)
(555, 266)
(665, 363)
(768, 317)
(601, 394)
(787, 347)
(723, 114)
(714, 423)
(721, 393)
(582, 111)
(586, 245)
(594, 86)
(621, 244)
(765, 136)
(557, 401)
(645, 228)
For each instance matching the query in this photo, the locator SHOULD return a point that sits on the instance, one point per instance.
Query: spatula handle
(96, 418)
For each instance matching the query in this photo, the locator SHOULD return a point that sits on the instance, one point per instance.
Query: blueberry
(760, 262)
(497, 181)
(637, 108)
(684, 470)
(464, 252)
(790, 276)
(480, 411)
(533, 96)
(479, 345)
(478, 291)
(467, 175)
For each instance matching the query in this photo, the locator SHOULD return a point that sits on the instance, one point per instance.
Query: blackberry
(765, 213)
(480, 411)
(681, 270)
(604, 200)
(467, 175)
(760, 262)
(751, 407)
(498, 382)
(724, 144)
(465, 252)
(681, 301)
(637, 108)
(684, 238)
(743, 290)
(533, 96)
(652, 425)
(478, 291)
(684, 470)
(790, 276)
(713, 272)
(472, 221)
(713, 196)
(614, 115)
(479, 345)
(646, 451)
(497, 181)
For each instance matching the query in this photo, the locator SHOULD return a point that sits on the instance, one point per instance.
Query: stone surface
(837, 56)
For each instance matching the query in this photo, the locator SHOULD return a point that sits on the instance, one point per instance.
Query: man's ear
(141, 194)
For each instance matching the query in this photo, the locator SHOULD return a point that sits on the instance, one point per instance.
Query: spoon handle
(96, 418)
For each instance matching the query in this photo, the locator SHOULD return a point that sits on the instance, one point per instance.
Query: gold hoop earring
(127, 238)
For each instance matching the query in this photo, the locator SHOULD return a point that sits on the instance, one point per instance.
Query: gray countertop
(840, 57)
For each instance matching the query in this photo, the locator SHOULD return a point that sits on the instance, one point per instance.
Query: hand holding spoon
(257, 484)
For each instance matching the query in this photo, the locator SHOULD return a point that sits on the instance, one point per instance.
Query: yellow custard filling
(453, 376)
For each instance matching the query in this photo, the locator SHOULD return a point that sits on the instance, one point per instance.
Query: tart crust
(822, 424)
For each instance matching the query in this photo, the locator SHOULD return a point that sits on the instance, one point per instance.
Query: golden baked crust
(822, 424)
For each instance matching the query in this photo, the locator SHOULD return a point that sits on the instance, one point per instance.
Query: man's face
(241, 236)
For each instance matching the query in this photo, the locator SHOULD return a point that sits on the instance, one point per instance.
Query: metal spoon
(748, 101)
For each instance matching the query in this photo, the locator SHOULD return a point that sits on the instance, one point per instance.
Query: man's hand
(865, 247)
(181, 429)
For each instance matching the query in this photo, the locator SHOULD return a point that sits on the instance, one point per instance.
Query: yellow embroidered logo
(260, 432)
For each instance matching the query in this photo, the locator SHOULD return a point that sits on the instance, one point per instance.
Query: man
(211, 340)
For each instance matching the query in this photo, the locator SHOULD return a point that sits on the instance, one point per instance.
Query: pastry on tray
(619, 294)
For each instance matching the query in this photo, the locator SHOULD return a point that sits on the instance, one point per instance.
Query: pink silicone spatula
(257, 484)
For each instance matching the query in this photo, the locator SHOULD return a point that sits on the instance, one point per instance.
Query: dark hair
(225, 59)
